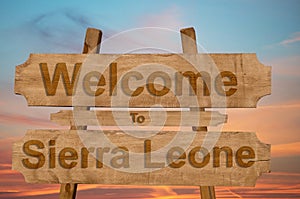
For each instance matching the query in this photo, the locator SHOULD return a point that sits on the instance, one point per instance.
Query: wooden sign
(146, 154)
(132, 80)
(138, 118)
(114, 157)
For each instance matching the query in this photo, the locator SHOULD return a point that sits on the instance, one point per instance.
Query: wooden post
(207, 192)
(91, 46)
(189, 45)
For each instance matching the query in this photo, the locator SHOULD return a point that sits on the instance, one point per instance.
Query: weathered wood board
(143, 80)
(60, 156)
(138, 118)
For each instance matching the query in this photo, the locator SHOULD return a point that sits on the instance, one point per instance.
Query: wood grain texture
(188, 40)
(125, 118)
(253, 80)
(208, 175)
(207, 192)
(92, 41)
(67, 191)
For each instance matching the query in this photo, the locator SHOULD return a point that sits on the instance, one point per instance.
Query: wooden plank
(235, 158)
(34, 80)
(138, 118)
(91, 46)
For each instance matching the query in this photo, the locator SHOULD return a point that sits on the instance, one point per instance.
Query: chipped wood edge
(268, 70)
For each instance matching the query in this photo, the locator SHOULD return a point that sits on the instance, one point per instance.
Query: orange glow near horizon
(269, 185)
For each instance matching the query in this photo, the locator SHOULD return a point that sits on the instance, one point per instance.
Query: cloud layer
(293, 38)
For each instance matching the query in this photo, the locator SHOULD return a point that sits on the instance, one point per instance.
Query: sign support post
(91, 46)
(189, 45)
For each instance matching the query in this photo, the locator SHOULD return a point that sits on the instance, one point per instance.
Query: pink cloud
(285, 65)
(284, 150)
(279, 185)
(8, 118)
(278, 124)
(6, 151)
(169, 18)
(293, 38)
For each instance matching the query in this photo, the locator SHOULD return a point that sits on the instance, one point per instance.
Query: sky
(269, 28)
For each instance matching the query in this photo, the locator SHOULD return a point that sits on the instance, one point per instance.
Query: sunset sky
(269, 28)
